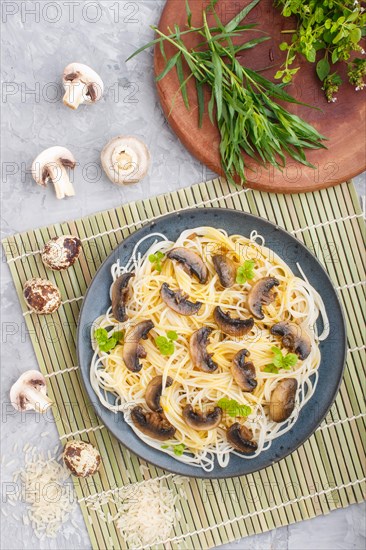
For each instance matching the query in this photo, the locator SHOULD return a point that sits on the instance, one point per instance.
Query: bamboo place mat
(325, 473)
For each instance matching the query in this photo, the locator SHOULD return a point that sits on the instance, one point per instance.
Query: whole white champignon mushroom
(30, 392)
(42, 296)
(61, 252)
(82, 85)
(125, 159)
(50, 165)
(82, 459)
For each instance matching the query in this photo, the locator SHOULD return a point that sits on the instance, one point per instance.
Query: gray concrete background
(38, 40)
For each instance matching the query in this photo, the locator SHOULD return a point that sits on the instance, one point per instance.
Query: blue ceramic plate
(333, 349)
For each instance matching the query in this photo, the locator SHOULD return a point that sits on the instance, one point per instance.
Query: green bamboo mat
(326, 473)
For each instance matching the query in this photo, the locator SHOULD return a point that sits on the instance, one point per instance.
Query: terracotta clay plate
(342, 122)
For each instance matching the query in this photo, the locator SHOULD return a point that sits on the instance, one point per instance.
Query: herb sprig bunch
(107, 342)
(281, 361)
(245, 103)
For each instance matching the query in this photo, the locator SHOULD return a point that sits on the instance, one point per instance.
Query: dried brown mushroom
(283, 399)
(82, 459)
(261, 295)
(225, 268)
(42, 296)
(178, 301)
(82, 85)
(241, 438)
(61, 252)
(153, 424)
(232, 326)
(120, 291)
(192, 263)
(154, 390)
(50, 165)
(243, 371)
(30, 392)
(200, 357)
(202, 421)
(294, 338)
(132, 349)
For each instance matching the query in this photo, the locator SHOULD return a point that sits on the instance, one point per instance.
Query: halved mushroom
(192, 263)
(226, 269)
(260, 295)
(201, 359)
(82, 85)
(178, 302)
(202, 421)
(50, 165)
(240, 437)
(153, 424)
(243, 371)
(283, 400)
(30, 392)
(132, 349)
(120, 292)
(294, 338)
(125, 159)
(230, 326)
(153, 392)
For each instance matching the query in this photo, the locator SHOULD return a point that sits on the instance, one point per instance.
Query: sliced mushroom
(42, 296)
(283, 400)
(260, 295)
(82, 85)
(201, 359)
(30, 392)
(294, 338)
(230, 326)
(153, 392)
(243, 371)
(153, 424)
(178, 302)
(50, 165)
(61, 252)
(225, 269)
(125, 159)
(192, 262)
(202, 421)
(240, 437)
(120, 292)
(132, 349)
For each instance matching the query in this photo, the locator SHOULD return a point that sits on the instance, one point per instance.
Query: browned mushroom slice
(201, 359)
(225, 269)
(283, 400)
(243, 371)
(192, 262)
(152, 424)
(202, 421)
(294, 338)
(178, 302)
(260, 295)
(230, 326)
(119, 296)
(240, 437)
(153, 392)
(132, 349)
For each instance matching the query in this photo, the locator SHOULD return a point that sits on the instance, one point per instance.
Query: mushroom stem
(38, 400)
(74, 94)
(60, 180)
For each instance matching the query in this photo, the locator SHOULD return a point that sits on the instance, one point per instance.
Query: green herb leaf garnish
(166, 343)
(172, 335)
(106, 343)
(233, 408)
(178, 450)
(281, 361)
(245, 272)
(156, 260)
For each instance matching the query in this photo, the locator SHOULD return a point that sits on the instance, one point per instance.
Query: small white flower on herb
(334, 99)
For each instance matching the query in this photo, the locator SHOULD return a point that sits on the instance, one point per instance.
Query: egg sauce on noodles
(296, 301)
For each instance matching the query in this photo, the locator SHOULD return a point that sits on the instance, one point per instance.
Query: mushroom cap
(178, 301)
(260, 294)
(53, 156)
(226, 269)
(232, 326)
(153, 392)
(201, 359)
(294, 338)
(42, 296)
(153, 424)
(132, 349)
(243, 371)
(82, 459)
(240, 437)
(283, 399)
(78, 72)
(120, 292)
(125, 159)
(31, 378)
(61, 252)
(202, 421)
(191, 261)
